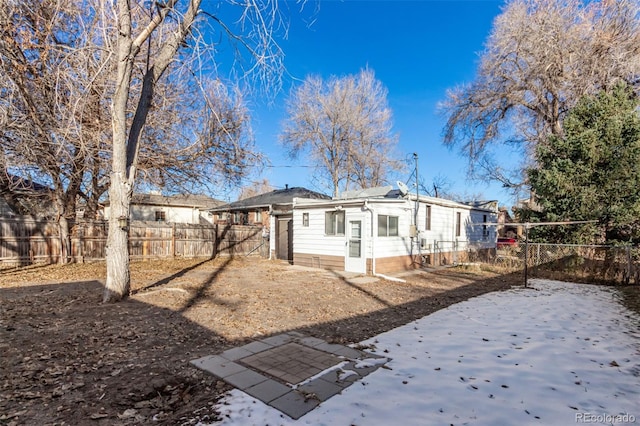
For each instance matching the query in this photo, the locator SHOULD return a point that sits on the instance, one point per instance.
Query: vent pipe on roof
(286, 186)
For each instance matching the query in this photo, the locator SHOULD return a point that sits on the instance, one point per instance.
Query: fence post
(628, 277)
(173, 239)
(526, 254)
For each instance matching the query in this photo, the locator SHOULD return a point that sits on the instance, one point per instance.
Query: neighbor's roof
(276, 197)
(22, 185)
(189, 200)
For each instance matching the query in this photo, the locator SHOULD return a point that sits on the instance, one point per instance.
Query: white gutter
(270, 217)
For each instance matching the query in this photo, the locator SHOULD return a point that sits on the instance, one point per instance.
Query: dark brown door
(284, 245)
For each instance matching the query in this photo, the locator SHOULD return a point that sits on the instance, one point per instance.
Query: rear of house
(384, 234)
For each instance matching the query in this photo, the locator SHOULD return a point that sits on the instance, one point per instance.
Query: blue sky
(418, 50)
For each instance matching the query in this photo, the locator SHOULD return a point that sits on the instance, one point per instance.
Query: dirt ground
(66, 358)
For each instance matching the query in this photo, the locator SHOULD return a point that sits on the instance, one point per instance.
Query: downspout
(373, 251)
(270, 216)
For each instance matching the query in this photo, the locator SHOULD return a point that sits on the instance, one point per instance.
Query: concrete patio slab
(291, 372)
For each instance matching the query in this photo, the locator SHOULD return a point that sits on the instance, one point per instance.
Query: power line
(287, 166)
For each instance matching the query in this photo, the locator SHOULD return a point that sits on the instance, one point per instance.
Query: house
(382, 230)
(22, 196)
(507, 226)
(155, 207)
(271, 210)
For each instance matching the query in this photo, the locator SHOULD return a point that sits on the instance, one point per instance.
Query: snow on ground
(556, 354)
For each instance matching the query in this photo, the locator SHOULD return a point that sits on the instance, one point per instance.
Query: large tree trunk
(118, 279)
(65, 240)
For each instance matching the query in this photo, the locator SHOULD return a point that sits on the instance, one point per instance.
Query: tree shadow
(361, 289)
(205, 286)
(361, 327)
(170, 278)
(67, 358)
(220, 236)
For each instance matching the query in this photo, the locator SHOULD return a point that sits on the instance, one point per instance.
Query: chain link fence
(573, 262)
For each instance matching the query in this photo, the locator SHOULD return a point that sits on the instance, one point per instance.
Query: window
(458, 224)
(258, 218)
(427, 224)
(305, 219)
(334, 223)
(237, 218)
(220, 216)
(387, 226)
(160, 216)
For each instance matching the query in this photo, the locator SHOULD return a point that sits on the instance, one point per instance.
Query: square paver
(294, 404)
(235, 354)
(218, 366)
(268, 390)
(339, 350)
(322, 389)
(341, 377)
(257, 346)
(277, 340)
(311, 341)
(245, 379)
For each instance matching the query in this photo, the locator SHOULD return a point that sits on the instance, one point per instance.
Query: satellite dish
(404, 189)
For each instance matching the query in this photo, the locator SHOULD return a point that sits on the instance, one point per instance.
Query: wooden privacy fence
(24, 241)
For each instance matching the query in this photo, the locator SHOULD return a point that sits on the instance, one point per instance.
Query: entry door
(355, 258)
(284, 244)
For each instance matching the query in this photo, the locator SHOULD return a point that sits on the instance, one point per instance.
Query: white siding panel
(311, 239)
(393, 246)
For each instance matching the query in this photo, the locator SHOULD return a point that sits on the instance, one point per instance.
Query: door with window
(355, 257)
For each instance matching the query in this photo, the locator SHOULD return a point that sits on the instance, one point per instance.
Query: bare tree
(173, 27)
(344, 124)
(209, 129)
(541, 57)
(256, 188)
(49, 102)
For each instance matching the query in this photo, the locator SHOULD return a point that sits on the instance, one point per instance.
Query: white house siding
(173, 214)
(391, 246)
(312, 247)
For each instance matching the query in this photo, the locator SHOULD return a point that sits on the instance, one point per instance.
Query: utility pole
(415, 214)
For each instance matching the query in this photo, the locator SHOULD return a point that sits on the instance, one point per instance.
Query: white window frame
(385, 228)
(427, 222)
(332, 224)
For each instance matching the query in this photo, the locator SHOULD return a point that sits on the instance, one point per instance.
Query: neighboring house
(192, 209)
(22, 196)
(271, 210)
(378, 231)
(507, 228)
